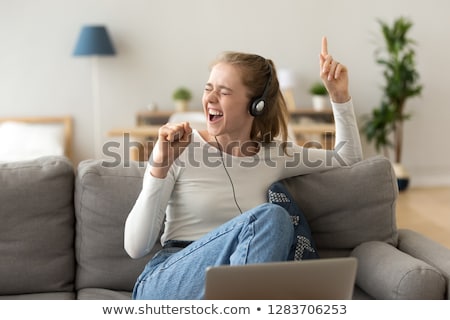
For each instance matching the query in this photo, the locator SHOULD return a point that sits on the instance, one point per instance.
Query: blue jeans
(262, 234)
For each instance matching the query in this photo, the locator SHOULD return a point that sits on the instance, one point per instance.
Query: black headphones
(258, 104)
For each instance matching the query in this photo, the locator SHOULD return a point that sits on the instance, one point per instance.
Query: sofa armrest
(385, 272)
(423, 248)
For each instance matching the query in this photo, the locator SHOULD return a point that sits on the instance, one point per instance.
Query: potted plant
(384, 126)
(319, 96)
(182, 96)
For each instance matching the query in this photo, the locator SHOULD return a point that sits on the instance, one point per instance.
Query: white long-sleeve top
(196, 196)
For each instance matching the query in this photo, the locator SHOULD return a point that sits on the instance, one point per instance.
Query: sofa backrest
(350, 205)
(36, 226)
(103, 198)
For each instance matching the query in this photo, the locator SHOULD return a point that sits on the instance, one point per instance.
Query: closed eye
(222, 90)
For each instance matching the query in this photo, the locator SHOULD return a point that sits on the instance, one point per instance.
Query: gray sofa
(61, 230)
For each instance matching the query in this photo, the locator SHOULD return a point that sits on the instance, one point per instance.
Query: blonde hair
(255, 76)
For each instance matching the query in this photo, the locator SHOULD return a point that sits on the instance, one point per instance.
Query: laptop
(318, 279)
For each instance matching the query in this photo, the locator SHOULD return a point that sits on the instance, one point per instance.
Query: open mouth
(214, 115)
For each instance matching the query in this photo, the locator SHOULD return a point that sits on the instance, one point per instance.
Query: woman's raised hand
(173, 138)
(334, 75)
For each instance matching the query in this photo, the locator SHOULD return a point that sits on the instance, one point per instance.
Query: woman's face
(225, 103)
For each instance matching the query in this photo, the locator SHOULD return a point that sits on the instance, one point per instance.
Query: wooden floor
(426, 210)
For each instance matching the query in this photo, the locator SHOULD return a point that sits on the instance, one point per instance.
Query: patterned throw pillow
(303, 246)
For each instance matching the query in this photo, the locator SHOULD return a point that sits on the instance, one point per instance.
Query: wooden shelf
(310, 127)
(162, 116)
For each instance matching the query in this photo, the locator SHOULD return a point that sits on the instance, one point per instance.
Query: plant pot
(181, 105)
(320, 103)
(402, 176)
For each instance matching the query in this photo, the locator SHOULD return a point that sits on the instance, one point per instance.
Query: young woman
(208, 189)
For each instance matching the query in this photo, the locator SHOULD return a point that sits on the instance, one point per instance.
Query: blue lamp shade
(94, 40)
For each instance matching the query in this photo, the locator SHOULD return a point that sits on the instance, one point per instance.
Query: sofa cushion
(104, 196)
(349, 205)
(37, 226)
(102, 294)
(384, 272)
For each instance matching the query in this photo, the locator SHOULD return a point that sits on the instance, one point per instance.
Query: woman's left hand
(334, 75)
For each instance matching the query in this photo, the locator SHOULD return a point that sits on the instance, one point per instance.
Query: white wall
(164, 44)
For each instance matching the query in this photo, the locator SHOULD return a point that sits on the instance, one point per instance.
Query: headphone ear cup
(257, 107)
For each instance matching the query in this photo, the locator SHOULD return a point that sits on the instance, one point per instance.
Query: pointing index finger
(324, 46)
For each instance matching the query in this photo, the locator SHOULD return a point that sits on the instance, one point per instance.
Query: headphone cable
(228, 174)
